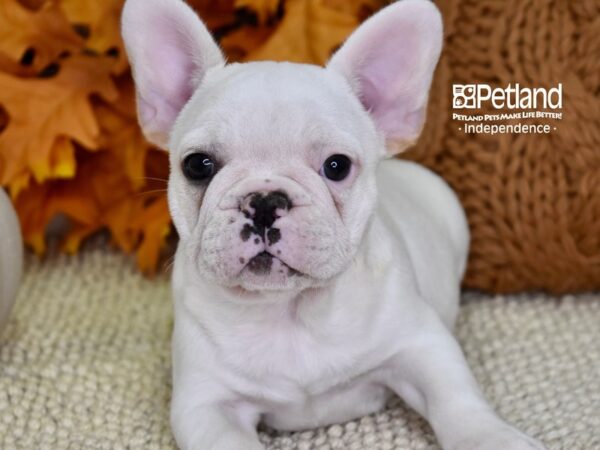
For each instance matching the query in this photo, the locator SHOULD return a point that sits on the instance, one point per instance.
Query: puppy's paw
(504, 437)
(235, 442)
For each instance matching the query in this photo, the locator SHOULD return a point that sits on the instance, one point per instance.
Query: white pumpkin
(11, 256)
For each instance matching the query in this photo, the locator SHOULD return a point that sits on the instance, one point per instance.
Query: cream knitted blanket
(84, 364)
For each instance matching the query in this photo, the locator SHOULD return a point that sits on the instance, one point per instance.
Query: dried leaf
(10, 66)
(46, 33)
(361, 9)
(155, 223)
(309, 32)
(264, 9)
(62, 158)
(100, 20)
(40, 110)
(32, 5)
(215, 13)
(121, 133)
(99, 197)
(240, 43)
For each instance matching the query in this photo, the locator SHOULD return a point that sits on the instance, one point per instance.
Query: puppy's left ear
(170, 51)
(389, 62)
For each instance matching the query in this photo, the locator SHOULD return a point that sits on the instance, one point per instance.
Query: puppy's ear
(170, 51)
(389, 62)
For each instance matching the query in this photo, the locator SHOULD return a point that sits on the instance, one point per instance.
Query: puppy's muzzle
(263, 211)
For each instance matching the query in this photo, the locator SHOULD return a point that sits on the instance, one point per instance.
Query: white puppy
(302, 296)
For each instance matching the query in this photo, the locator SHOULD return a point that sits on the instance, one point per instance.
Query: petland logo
(472, 96)
(515, 103)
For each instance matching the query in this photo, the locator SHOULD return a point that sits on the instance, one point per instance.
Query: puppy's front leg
(431, 374)
(204, 413)
(211, 427)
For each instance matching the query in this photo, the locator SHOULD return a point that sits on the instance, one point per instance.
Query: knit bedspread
(85, 364)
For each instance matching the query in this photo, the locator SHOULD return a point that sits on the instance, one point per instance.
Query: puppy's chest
(285, 360)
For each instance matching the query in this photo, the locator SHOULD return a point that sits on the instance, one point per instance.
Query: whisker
(153, 179)
(154, 191)
(168, 265)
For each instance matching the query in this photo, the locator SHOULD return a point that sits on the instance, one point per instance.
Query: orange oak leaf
(121, 134)
(99, 22)
(215, 13)
(32, 5)
(10, 66)
(99, 197)
(38, 204)
(240, 43)
(361, 9)
(265, 10)
(155, 221)
(62, 158)
(43, 109)
(155, 225)
(309, 32)
(35, 37)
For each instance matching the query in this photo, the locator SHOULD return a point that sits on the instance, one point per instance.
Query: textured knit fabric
(85, 364)
(533, 200)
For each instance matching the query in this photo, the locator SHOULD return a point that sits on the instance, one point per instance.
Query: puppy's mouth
(261, 264)
(264, 263)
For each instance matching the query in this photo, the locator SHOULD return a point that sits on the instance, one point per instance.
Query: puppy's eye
(198, 167)
(337, 167)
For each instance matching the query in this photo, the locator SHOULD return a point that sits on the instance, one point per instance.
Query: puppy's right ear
(170, 51)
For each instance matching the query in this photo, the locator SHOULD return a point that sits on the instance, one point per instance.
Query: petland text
(473, 96)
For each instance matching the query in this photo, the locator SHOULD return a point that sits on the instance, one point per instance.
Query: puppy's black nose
(265, 208)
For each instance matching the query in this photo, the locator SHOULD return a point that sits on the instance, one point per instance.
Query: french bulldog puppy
(314, 278)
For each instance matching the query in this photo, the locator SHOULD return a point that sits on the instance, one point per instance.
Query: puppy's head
(273, 164)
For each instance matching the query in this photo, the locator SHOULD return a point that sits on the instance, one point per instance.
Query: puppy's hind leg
(431, 374)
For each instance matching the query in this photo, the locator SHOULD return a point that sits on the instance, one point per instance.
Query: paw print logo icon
(464, 96)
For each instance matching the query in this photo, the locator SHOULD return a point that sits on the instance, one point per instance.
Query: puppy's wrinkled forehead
(259, 106)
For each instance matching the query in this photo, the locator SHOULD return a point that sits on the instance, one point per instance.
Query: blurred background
(70, 147)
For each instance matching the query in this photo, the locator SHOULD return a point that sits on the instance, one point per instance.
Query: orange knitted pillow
(533, 200)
